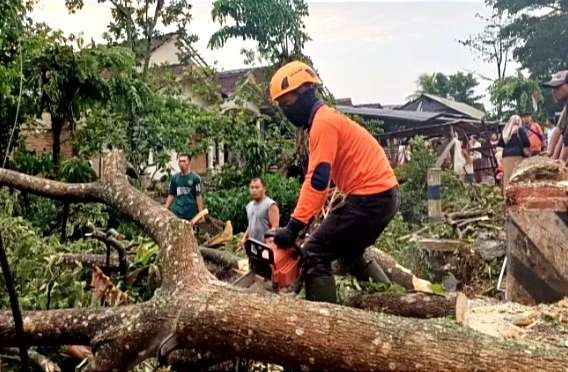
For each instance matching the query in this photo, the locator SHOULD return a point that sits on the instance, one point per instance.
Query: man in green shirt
(185, 190)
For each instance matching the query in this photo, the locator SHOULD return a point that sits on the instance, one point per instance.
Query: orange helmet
(290, 77)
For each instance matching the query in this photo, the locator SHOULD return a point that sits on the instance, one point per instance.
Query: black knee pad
(314, 265)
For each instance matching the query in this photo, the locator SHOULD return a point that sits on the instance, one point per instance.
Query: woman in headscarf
(516, 146)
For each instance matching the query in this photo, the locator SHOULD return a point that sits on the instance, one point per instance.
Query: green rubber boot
(321, 289)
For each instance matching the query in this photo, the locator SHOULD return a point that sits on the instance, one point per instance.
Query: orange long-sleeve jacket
(343, 151)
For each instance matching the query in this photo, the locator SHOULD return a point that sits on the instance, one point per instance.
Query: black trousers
(351, 227)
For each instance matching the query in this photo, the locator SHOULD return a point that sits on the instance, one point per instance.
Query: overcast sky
(370, 51)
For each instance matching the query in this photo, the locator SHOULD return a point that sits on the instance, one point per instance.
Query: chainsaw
(272, 267)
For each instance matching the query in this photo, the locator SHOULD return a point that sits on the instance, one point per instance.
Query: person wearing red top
(343, 152)
(534, 132)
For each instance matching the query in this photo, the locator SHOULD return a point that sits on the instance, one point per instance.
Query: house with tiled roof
(165, 53)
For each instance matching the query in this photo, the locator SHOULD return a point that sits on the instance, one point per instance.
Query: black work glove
(286, 237)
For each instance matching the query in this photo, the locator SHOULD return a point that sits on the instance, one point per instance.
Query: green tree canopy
(68, 82)
(138, 24)
(516, 95)
(542, 30)
(14, 23)
(276, 26)
(458, 86)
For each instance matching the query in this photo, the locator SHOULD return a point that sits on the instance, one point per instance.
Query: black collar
(315, 109)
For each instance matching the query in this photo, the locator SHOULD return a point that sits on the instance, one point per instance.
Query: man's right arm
(554, 140)
(169, 201)
(244, 238)
(171, 193)
(246, 233)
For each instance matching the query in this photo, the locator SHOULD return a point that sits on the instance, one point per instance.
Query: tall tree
(458, 86)
(492, 44)
(138, 24)
(276, 26)
(13, 99)
(515, 95)
(68, 82)
(542, 30)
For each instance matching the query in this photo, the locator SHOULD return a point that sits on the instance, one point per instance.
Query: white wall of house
(165, 53)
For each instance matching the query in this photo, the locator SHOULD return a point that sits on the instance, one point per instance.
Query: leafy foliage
(63, 81)
(458, 86)
(514, 95)
(148, 124)
(31, 163)
(277, 26)
(76, 171)
(14, 22)
(137, 25)
(40, 281)
(414, 204)
(406, 252)
(541, 27)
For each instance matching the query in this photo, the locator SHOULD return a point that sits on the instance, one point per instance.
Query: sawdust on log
(543, 323)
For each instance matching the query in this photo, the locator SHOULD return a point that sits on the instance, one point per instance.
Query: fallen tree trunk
(193, 310)
(414, 305)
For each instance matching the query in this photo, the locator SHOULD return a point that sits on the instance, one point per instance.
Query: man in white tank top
(262, 212)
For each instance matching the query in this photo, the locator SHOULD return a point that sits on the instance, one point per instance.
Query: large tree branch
(80, 192)
(56, 327)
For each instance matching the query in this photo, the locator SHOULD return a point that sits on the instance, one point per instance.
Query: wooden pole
(15, 305)
(434, 182)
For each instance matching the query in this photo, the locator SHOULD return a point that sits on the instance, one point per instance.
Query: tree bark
(224, 258)
(56, 129)
(64, 218)
(193, 310)
(414, 305)
(90, 260)
(397, 273)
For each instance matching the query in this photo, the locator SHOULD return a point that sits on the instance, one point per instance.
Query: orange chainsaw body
(266, 259)
(286, 268)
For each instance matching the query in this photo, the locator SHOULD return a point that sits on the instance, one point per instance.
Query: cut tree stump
(537, 233)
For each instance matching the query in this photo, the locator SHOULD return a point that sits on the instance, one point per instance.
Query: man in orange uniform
(342, 152)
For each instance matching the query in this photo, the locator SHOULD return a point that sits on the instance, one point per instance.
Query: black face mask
(300, 112)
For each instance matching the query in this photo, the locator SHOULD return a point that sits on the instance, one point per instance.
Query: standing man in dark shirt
(185, 190)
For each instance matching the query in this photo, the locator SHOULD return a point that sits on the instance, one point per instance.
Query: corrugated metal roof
(457, 106)
(415, 116)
